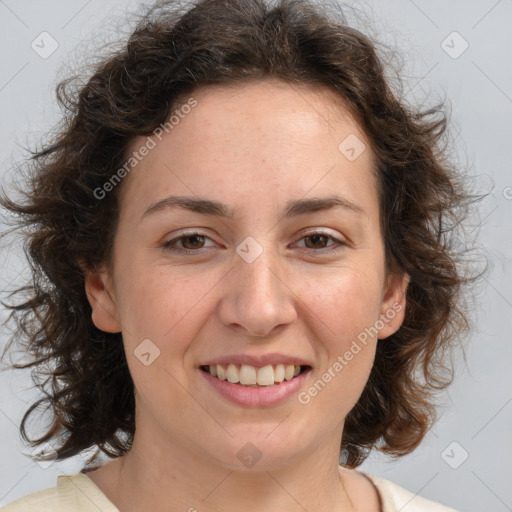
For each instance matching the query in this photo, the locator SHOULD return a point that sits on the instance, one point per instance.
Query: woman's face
(294, 277)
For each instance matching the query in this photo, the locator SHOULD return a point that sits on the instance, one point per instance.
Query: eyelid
(184, 233)
(339, 241)
(320, 231)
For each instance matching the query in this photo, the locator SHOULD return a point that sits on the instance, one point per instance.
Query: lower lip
(256, 397)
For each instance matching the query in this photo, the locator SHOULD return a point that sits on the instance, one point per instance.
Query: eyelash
(168, 245)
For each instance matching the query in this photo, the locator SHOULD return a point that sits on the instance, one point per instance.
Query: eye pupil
(193, 237)
(316, 237)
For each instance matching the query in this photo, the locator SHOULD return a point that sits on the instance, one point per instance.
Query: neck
(177, 479)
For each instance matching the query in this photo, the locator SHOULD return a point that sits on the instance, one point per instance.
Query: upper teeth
(249, 375)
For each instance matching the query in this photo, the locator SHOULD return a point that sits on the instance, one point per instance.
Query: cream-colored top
(78, 493)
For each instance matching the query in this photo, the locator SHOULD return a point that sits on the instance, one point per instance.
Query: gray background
(476, 412)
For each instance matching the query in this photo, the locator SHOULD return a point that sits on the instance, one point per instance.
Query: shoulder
(73, 493)
(396, 498)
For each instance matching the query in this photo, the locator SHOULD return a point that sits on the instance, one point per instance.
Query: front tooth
(233, 375)
(296, 371)
(213, 370)
(221, 373)
(289, 371)
(266, 376)
(279, 373)
(247, 374)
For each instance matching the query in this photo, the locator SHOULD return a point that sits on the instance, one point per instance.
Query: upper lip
(257, 360)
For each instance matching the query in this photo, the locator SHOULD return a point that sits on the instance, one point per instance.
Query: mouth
(255, 377)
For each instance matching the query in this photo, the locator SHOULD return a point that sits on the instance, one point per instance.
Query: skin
(254, 147)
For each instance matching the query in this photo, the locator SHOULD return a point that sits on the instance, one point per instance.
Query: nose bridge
(258, 297)
(258, 268)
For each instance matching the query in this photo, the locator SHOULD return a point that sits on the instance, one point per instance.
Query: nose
(257, 296)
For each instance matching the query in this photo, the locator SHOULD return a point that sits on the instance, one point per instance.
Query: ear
(102, 300)
(392, 312)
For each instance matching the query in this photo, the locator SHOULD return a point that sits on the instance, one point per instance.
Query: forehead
(257, 137)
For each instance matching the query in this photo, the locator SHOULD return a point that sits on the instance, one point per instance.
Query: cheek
(346, 303)
(165, 311)
(154, 305)
(345, 308)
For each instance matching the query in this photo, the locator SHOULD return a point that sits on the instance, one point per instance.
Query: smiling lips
(247, 375)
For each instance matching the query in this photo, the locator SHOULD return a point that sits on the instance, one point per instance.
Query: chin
(258, 450)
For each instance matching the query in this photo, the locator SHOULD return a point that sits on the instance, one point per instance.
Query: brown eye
(317, 243)
(197, 240)
(317, 240)
(192, 244)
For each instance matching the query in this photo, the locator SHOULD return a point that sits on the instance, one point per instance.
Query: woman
(242, 254)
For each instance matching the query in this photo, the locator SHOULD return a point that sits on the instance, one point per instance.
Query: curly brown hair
(172, 51)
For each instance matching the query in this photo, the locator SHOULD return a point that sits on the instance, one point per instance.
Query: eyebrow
(210, 207)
